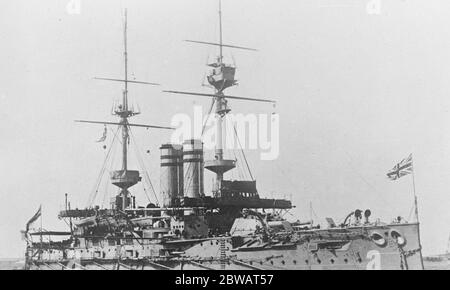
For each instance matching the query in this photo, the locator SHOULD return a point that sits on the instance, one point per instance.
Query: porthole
(378, 239)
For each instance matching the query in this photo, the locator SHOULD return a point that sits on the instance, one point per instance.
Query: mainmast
(125, 116)
(221, 78)
(220, 166)
(221, 32)
(125, 54)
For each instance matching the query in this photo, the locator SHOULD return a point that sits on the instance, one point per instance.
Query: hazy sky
(357, 93)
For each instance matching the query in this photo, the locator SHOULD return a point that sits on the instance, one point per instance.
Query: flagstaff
(40, 231)
(416, 207)
(406, 167)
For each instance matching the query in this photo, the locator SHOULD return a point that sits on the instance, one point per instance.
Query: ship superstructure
(232, 227)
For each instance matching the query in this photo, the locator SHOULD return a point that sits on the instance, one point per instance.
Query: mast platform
(125, 178)
(220, 166)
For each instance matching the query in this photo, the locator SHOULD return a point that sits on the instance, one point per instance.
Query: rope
(105, 193)
(142, 165)
(94, 192)
(107, 183)
(146, 194)
(240, 170)
(208, 116)
(243, 154)
(190, 169)
(411, 211)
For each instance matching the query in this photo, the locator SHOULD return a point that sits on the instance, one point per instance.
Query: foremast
(126, 113)
(125, 178)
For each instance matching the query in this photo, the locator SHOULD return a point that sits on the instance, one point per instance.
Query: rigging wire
(142, 164)
(94, 192)
(107, 183)
(190, 169)
(208, 116)
(238, 170)
(358, 172)
(314, 213)
(243, 154)
(146, 193)
(105, 194)
(411, 211)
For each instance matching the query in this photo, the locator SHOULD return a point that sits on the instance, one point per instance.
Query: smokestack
(193, 168)
(171, 179)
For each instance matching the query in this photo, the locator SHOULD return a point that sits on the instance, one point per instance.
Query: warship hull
(352, 248)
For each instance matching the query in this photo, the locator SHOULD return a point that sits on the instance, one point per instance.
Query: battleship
(231, 228)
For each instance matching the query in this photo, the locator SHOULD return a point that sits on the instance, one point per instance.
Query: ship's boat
(86, 222)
